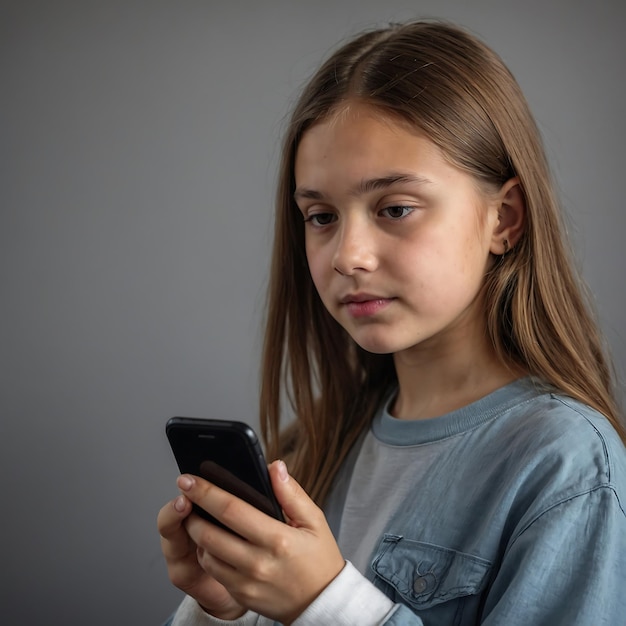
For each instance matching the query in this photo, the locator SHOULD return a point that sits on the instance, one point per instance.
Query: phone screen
(227, 454)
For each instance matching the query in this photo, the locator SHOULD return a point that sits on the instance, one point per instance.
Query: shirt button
(420, 584)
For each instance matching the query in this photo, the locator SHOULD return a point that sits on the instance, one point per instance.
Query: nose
(355, 249)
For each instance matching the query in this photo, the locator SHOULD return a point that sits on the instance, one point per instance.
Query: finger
(297, 505)
(171, 516)
(213, 565)
(170, 523)
(241, 574)
(229, 549)
(242, 518)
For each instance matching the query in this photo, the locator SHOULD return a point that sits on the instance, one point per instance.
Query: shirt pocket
(428, 577)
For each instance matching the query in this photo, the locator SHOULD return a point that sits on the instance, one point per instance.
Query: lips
(359, 297)
(361, 305)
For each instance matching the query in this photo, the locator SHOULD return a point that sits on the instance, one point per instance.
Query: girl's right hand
(182, 563)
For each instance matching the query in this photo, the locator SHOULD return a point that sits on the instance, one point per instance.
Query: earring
(505, 244)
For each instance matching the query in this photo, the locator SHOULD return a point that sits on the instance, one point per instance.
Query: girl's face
(397, 239)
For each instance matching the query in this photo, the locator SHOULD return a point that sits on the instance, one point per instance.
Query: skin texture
(398, 242)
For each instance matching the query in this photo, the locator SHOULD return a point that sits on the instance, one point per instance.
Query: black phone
(227, 454)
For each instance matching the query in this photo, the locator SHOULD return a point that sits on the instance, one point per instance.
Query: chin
(375, 345)
(386, 342)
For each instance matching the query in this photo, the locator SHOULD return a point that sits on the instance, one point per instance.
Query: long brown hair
(456, 90)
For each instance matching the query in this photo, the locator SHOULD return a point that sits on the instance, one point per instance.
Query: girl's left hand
(272, 568)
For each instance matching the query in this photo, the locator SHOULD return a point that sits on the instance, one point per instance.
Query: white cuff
(190, 613)
(349, 599)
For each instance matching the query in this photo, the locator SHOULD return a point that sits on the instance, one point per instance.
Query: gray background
(138, 145)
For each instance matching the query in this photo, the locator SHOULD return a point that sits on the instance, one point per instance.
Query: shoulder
(587, 428)
(556, 423)
(563, 446)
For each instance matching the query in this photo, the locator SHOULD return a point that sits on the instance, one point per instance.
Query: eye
(321, 219)
(397, 212)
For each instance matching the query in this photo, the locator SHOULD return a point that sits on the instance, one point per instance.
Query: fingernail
(185, 482)
(179, 504)
(283, 474)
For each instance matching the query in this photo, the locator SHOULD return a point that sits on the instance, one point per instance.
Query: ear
(511, 208)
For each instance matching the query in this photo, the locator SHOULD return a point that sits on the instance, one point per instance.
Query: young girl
(454, 415)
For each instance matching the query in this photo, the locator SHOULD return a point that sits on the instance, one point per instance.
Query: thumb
(298, 507)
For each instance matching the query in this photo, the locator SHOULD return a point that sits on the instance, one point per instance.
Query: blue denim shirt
(519, 521)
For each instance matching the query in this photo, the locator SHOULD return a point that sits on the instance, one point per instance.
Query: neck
(436, 379)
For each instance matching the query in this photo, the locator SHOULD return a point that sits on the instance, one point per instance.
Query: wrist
(227, 615)
(191, 611)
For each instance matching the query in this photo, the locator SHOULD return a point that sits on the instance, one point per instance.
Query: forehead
(359, 141)
(353, 114)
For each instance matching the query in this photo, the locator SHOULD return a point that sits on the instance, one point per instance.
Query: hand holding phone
(227, 454)
(273, 569)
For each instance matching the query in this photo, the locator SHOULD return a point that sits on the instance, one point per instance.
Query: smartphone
(227, 454)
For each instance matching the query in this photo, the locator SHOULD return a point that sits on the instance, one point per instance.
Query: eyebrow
(367, 185)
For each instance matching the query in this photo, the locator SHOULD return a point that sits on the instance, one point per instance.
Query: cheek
(464, 251)
(441, 268)
(316, 261)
